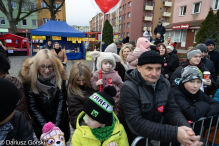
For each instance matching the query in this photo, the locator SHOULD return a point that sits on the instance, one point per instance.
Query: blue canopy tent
(62, 29)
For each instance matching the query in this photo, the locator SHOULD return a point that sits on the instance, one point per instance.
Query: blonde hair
(79, 69)
(121, 52)
(34, 68)
(190, 48)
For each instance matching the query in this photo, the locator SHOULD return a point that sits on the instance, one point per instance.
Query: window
(129, 4)
(146, 3)
(13, 5)
(17, 24)
(58, 20)
(120, 17)
(45, 20)
(24, 22)
(161, 0)
(120, 26)
(215, 5)
(43, 5)
(145, 24)
(167, 10)
(128, 24)
(23, 5)
(196, 8)
(159, 19)
(146, 14)
(32, 6)
(151, 25)
(120, 9)
(182, 11)
(152, 14)
(124, 25)
(196, 30)
(57, 5)
(128, 34)
(153, 4)
(160, 9)
(2, 20)
(129, 15)
(34, 23)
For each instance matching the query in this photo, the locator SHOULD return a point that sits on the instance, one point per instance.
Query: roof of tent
(57, 28)
(11, 36)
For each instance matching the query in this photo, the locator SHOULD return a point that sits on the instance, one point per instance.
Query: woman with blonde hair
(124, 52)
(44, 79)
(59, 53)
(78, 90)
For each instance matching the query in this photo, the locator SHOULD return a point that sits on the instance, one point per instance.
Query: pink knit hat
(49, 130)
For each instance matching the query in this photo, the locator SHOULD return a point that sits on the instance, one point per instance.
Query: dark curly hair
(4, 64)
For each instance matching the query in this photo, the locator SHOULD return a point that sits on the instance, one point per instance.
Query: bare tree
(12, 17)
(50, 4)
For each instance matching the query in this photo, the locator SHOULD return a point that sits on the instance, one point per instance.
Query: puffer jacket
(76, 104)
(177, 74)
(132, 59)
(22, 130)
(84, 137)
(142, 109)
(172, 55)
(193, 110)
(22, 105)
(116, 81)
(43, 109)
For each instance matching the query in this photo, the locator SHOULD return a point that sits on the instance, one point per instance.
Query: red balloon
(106, 5)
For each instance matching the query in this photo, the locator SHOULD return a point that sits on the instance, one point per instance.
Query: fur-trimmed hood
(25, 76)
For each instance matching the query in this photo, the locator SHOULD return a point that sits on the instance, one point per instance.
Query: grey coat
(140, 108)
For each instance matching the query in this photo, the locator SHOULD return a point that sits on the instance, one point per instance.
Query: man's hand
(99, 82)
(112, 144)
(208, 82)
(186, 136)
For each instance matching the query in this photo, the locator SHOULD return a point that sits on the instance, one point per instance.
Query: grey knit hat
(191, 73)
(111, 48)
(202, 47)
(192, 53)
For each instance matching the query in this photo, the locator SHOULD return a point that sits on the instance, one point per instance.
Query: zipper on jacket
(109, 137)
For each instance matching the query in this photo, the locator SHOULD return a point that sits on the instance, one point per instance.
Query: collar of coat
(24, 72)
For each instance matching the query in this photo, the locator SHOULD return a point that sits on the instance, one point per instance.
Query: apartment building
(82, 28)
(164, 13)
(187, 18)
(25, 25)
(44, 15)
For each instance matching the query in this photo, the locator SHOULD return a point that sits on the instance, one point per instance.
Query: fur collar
(25, 76)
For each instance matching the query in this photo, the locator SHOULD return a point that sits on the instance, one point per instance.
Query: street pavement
(16, 64)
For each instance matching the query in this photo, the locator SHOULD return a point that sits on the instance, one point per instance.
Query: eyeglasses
(43, 67)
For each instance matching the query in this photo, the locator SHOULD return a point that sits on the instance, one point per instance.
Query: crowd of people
(143, 91)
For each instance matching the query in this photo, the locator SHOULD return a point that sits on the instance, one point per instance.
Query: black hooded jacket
(142, 108)
(209, 65)
(160, 29)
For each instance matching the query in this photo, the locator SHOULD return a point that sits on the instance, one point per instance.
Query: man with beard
(145, 98)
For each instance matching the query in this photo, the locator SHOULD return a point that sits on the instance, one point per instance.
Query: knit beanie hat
(150, 57)
(209, 41)
(105, 56)
(125, 40)
(111, 48)
(9, 98)
(170, 47)
(174, 44)
(154, 48)
(50, 130)
(192, 53)
(202, 47)
(191, 73)
(99, 106)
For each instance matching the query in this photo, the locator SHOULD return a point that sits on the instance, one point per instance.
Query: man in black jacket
(48, 45)
(14, 128)
(145, 98)
(208, 63)
(158, 39)
(214, 55)
(160, 29)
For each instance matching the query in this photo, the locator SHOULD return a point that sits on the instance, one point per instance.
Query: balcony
(166, 14)
(149, 8)
(146, 18)
(167, 4)
(145, 28)
(165, 23)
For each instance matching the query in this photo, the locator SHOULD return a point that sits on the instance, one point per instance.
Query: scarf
(104, 133)
(4, 130)
(47, 85)
(187, 94)
(199, 65)
(58, 50)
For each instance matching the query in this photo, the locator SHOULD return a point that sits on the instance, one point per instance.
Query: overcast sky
(80, 12)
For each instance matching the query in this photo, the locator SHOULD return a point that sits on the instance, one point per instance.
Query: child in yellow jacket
(97, 124)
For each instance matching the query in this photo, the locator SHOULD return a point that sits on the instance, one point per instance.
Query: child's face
(7, 119)
(106, 66)
(92, 123)
(193, 86)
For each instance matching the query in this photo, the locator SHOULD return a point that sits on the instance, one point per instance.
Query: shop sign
(38, 37)
(56, 38)
(181, 26)
(3, 30)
